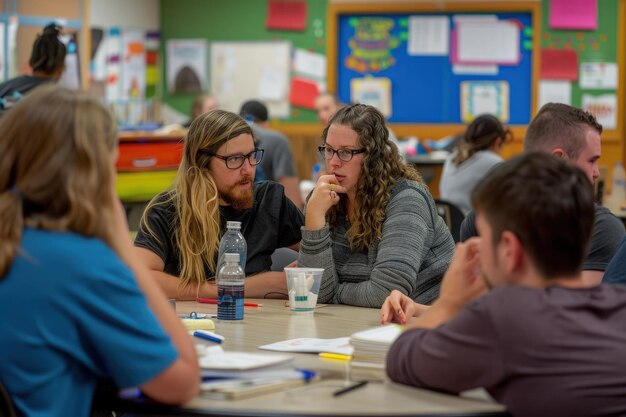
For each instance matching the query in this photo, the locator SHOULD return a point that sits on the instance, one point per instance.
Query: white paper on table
(241, 360)
(554, 91)
(598, 75)
(603, 107)
(340, 345)
(429, 35)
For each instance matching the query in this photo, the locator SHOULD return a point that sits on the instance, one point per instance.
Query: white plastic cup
(303, 287)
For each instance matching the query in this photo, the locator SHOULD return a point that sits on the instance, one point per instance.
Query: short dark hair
(546, 202)
(254, 109)
(558, 125)
(48, 52)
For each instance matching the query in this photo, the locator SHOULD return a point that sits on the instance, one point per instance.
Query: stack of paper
(341, 345)
(370, 351)
(234, 375)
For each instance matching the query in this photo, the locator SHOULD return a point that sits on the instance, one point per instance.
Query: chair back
(6, 405)
(452, 215)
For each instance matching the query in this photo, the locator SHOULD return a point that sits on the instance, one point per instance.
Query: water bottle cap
(316, 168)
(231, 257)
(233, 225)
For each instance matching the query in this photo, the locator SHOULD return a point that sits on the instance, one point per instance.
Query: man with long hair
(180, 230)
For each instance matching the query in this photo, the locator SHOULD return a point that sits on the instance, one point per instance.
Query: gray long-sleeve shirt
(412, 255)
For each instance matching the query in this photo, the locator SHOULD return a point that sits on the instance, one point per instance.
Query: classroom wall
(190, 19)
(136, 14)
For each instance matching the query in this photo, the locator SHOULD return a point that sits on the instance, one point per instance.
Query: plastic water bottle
(315, 174)
(232, 242)
(230, 286)
(618, 189)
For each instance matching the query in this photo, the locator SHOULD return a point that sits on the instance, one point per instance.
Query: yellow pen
(337, 356)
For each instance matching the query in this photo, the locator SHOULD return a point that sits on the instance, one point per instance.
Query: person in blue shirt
(76, 307)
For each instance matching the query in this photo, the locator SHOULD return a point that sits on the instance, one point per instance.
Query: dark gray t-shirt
(273, 222)
(540, 352)
(608, 232)
(277, 160)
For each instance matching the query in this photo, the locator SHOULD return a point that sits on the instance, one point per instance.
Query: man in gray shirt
(278, 161)
(542, 341)
(574, 135)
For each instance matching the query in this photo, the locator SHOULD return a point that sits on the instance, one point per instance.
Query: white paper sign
(603, 107)
(186, 65)
(502, 38)
(554, 91)
(428, 35)
(309, 64)
(598, 75)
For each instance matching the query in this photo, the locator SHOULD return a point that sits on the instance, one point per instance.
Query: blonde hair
(381, 167)
(56, 154)
(195, 196)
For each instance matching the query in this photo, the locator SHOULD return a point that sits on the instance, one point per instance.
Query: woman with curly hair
(371, 223)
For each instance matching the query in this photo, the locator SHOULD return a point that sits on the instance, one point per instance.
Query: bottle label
(230, 302)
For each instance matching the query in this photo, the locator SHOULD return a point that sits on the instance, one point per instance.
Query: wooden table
(274, 322)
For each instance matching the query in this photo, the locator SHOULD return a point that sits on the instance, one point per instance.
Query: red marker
(214, 301)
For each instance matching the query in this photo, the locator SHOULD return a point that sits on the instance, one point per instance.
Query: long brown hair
(195, 195)
(381, 167)
(56, 154)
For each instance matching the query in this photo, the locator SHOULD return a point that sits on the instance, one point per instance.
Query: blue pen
(203, 334)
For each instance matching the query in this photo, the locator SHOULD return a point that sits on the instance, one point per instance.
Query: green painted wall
(592, 46)
(233, 20)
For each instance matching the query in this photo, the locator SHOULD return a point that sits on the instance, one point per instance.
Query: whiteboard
(242, 71)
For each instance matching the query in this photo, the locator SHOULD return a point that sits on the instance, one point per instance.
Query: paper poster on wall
(2, 53)
(237, 74)
(598, 75)
(428, 35)
(303, 92)
(186, 65)
(559, 64)
(574, 14)
(603, 107)
(479, 97)
(12, 43)
(470, 69)
(113, 45)
(554, 91)
(133, 64)
(286, 15)
(309, 64)
(372, 45)
(375, 91)
(503, 38)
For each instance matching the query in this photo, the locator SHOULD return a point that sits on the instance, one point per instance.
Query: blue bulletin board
(424, 88)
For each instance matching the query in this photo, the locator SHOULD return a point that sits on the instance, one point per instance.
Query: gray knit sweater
(412, 255)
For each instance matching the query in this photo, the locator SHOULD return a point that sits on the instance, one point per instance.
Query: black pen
(349, 388)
